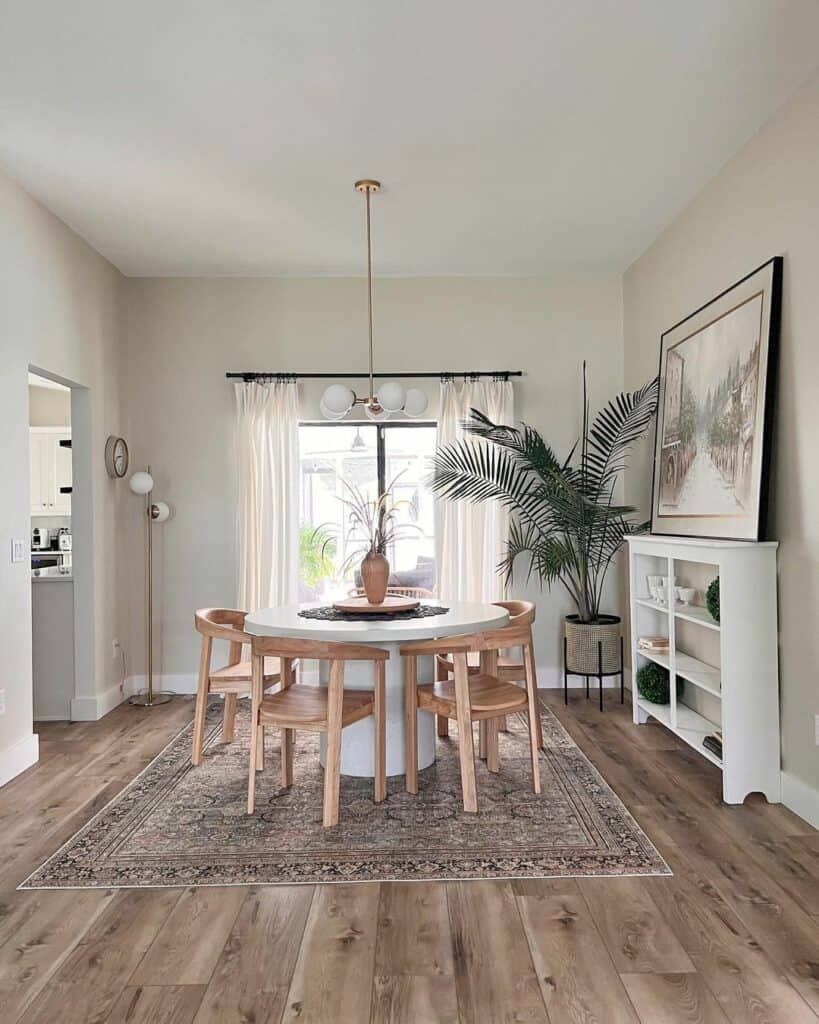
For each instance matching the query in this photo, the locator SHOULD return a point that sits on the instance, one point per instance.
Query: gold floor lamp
(142, 483)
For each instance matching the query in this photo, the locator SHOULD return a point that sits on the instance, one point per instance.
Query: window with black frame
(373, 458)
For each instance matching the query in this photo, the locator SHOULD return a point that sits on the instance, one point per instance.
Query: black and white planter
(582, 640)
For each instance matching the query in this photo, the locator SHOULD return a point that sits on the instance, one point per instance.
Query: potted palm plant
(564, 517)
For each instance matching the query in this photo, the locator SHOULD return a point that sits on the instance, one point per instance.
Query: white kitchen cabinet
(49, 471)
(52, 652)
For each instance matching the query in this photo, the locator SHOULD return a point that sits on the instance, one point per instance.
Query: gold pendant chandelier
(391, 397)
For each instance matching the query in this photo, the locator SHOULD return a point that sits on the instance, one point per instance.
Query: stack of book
(657, 644)
(714, 742)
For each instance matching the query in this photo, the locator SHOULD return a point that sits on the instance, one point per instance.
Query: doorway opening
(60, 546)
(52, 592)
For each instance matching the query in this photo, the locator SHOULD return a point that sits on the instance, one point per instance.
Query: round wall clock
(116, 457)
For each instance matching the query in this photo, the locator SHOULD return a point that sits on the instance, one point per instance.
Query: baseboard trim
(800, 798)
(181, 683)
(21, 755)
(92, 708)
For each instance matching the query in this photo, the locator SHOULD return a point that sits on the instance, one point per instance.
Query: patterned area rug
(178, 825)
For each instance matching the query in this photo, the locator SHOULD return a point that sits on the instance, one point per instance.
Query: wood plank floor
(733, 936)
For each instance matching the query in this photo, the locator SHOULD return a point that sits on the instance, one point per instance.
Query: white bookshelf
(730, 668)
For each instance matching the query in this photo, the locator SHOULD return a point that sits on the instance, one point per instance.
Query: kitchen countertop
(51, 573)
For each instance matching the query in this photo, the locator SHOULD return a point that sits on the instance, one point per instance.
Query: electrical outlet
(115, 648)
(2, 702)
(18, 551)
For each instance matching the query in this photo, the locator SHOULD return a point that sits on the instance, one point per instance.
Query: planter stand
(600, 674)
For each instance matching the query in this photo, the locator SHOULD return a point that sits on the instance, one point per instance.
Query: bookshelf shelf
(692, 727)
(730, 667)
(696, 613)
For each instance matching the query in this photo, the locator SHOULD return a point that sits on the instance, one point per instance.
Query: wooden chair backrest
(521, 613)
(418, 592)
(222, 624)
(321, 650)
(488, 640)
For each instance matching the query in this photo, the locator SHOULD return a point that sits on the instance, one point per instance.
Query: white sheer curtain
(267, 461)
(470, 539)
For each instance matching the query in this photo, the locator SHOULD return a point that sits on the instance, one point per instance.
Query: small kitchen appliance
(39, 539)
(64, 539)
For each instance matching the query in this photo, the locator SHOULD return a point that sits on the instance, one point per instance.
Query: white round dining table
(358, 739)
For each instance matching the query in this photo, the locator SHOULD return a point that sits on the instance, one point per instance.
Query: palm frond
(465, 471)
(615, 430)
(525, 443)
(564, 521)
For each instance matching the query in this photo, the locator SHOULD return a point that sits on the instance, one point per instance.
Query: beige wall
(764, 202)
(58, 313)
(48, 407)
(182, 335)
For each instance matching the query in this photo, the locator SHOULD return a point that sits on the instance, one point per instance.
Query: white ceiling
(204, 137)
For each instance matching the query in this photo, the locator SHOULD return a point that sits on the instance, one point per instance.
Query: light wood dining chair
(316, 709)
(233, 680)
(481, 697)
(413, 592)
(511, 669)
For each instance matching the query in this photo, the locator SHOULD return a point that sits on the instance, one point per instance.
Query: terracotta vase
(375, 573)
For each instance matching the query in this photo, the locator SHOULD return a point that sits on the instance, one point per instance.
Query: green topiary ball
(652, 683)
(712, 599)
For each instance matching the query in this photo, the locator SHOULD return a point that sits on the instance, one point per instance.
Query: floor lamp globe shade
(391, 396)
(416, 402)
(338, 399)
(325, 412)
(141, 482)
(160, 512)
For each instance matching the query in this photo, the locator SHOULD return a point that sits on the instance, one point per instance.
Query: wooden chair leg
(503, 724)
(260, 750)
(489, 667)
(535, 735)
(229, 718)
(380, 732)
(287, 678)
(466, 748)
(411, 722)
(441, 721)
(531, 674)
(201, 701)
(332, 766)
(288, 737)
(256, 700)
(492, 751)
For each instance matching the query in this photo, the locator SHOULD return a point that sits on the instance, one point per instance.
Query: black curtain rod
(248, 375)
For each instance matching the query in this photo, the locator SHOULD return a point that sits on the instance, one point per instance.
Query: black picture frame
(675, 512)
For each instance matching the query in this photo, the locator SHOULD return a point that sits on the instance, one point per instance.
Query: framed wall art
(712, 443)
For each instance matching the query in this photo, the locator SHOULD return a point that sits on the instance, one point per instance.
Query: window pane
(408, 463)
(333, 453)
(330, 454)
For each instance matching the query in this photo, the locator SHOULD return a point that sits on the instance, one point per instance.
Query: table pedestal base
(358, 739)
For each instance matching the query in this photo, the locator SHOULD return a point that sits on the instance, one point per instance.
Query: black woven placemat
(330, 614)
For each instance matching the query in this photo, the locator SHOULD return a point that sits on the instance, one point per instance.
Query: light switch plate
(18, 551)
(2, 702)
